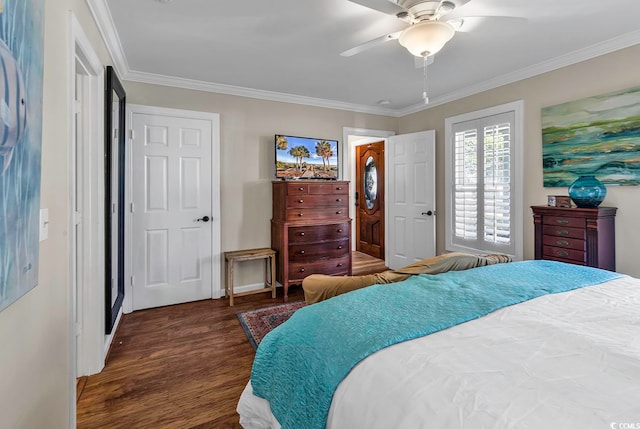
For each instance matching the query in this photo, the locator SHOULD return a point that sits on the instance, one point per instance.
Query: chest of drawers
(576, 235)
(310, 229)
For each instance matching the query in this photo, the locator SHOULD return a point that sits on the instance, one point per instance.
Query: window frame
(517, 182)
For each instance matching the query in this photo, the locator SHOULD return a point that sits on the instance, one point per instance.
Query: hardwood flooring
(181, 366)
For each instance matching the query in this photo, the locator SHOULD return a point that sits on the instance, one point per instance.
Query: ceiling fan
(426, 33)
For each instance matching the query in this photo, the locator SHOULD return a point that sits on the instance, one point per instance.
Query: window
(484, 181)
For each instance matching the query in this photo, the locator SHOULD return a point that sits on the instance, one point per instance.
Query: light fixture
(426, 37)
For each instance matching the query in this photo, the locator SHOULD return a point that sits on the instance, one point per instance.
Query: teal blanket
(299, 365)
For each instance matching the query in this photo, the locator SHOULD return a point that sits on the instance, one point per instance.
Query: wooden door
(412, 198)
(370, 199)
(174, 210)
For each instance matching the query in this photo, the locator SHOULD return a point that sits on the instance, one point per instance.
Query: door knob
(204, 219)
(427, 213)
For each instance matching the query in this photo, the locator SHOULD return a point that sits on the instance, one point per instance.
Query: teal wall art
(598, 136)
(21, 67)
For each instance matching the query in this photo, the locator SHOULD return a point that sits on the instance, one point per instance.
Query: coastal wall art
(598, 136)
(21, 67)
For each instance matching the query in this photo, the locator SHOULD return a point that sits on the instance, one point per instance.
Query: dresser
(310, 229)
(576, 235)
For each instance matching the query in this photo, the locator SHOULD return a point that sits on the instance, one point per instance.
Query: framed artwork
(21, 69)
(114, 168)
(597, 136)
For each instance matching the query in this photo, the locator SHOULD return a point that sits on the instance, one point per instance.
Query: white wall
(35, 387)
(607, 73)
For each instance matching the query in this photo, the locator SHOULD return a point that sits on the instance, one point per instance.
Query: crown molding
(104, 21)
(239, 91)
(617, 43)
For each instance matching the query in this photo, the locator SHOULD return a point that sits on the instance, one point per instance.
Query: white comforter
(569, 360)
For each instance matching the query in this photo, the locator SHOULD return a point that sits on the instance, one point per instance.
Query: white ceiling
(290, 49)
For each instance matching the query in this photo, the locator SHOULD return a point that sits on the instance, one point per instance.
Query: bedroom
(35, 330)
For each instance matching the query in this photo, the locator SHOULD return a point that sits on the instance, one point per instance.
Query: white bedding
(569, 360)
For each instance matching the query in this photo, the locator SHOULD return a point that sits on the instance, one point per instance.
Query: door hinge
(78, 329)
(132, 280)
(132, 208)
(131, 134)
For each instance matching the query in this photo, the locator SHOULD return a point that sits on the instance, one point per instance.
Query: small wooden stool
(249, 255)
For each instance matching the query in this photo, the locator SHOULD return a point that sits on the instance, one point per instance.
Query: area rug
(258, 323)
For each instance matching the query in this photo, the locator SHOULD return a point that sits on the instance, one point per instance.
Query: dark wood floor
(181, 366)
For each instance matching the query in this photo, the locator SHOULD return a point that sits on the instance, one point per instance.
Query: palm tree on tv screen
(281, 142)
(299, 152)
(323, 150)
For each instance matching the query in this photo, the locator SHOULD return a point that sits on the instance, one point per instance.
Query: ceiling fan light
(426, 37)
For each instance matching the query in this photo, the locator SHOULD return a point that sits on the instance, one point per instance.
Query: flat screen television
(306, 158)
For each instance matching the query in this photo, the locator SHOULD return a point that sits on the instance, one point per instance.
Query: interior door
(410, 198)
(173, 213)
(370, 199)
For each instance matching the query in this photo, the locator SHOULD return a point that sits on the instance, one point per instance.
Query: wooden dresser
(310, 229)
(576, 235)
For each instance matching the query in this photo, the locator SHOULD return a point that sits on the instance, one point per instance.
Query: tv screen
(306, 158)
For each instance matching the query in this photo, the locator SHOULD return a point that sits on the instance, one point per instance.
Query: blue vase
(587, 192)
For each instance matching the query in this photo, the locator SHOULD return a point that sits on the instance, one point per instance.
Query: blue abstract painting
(21, 68)
(597, 136)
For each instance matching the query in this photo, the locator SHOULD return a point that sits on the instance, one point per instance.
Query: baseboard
(247, 288)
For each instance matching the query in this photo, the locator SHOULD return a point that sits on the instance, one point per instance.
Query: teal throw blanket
(299, 365)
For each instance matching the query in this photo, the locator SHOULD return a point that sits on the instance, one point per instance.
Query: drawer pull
(302, 270)
(562, 253)
(301, 189)
(338, 212)
(301, 201)
(302, 252)
(562, 221)
(300, 214)
(562, 242)
(340, 264)
(562, 232)
(339, 247)
(339, 230)
(338, 189)
(339, 200)
(302, 234)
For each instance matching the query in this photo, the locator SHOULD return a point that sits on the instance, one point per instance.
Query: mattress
(567, 360)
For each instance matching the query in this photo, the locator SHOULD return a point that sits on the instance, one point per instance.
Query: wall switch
(44, 224)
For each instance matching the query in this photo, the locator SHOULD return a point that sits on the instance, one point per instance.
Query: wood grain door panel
(370, 199)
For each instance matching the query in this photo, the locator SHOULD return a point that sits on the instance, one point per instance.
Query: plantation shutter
(482, 184)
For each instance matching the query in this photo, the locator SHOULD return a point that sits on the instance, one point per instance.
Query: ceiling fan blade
(371, 43)
(384, 6)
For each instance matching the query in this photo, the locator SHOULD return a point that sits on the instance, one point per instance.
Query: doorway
(369, 199)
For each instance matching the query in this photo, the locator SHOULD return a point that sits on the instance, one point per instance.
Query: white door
(176, 209)
(411, 184)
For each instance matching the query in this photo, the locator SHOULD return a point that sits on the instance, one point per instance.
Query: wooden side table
(230, 258)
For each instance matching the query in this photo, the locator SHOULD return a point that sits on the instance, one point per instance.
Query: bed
(565, 355)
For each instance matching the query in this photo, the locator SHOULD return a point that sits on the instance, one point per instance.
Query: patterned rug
(258, 323)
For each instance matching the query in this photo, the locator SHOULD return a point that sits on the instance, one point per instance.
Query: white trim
(85, 350)
(518, 133)
(104, 21)
(349, 166)
(216, 269)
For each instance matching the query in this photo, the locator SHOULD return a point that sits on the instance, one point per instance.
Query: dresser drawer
(334, 266)
(313, 201)
(573, 222)
(310, 234)
(297, 188)
(563, 255)
(315, 251)
(568, 243)
(329, 188)
(326, 214)
(564, 231)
